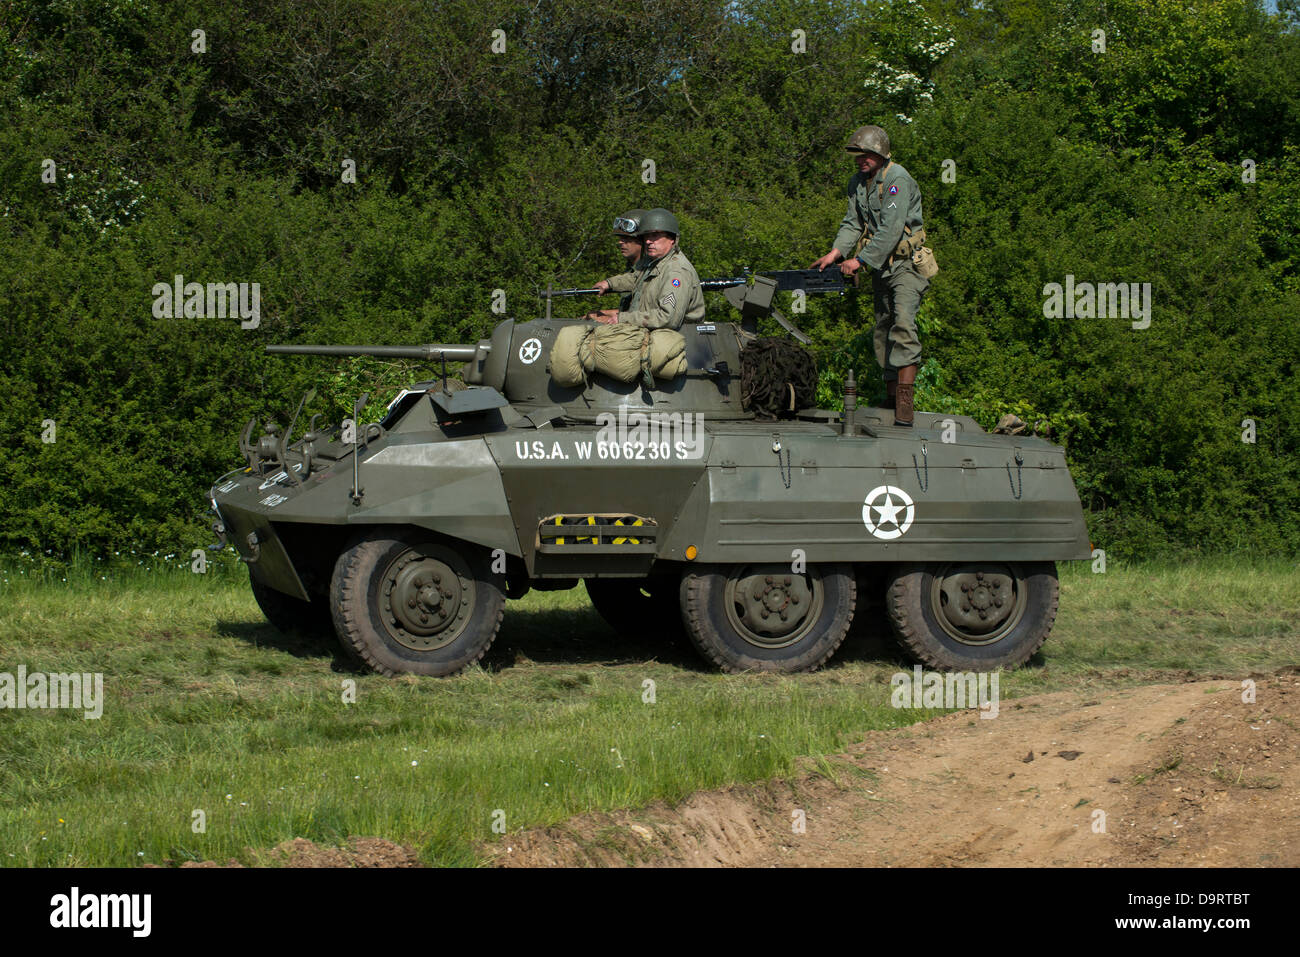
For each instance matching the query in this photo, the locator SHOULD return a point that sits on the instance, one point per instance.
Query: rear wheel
(406, 603)
(638, 606)
(766, 617)
(973, 616)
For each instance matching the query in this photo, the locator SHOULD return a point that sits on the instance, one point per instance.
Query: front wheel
(289, 614)
(406, 603)
(973, 616)
(766, 617)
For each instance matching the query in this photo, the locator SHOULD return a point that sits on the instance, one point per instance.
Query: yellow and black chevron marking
(599, 538)
(628, 541)
(577, 520)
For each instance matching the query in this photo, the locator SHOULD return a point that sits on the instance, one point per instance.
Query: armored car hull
(680, 511)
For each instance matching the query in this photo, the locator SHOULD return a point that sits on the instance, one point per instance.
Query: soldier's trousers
(898, 293)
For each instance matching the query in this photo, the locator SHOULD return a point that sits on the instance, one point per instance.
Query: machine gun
(757, 299)
(810, 281)
(550, 294)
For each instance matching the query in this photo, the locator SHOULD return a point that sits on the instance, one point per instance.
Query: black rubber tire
(915, 602)
(289, 614)
(638, 606)
(357, 590)
(714, 634)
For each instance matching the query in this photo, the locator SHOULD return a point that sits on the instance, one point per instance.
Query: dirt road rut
(1187, 774)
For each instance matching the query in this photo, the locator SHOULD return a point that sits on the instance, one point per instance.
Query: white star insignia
(895, 514)
(889, 511)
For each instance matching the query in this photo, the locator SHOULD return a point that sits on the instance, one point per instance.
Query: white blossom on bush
(911, 44)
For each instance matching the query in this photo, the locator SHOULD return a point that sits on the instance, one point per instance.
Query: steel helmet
(659, 220)
(869, 139)
(628, 223)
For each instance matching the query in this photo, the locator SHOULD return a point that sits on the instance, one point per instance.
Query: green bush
(479, 171)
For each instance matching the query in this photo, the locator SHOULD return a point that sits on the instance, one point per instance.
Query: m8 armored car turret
(677, 506)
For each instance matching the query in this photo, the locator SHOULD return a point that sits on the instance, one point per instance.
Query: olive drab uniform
(625, 283)
(667, 293)
(884, 222)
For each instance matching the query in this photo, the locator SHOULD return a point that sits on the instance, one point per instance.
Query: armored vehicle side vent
(604, 532)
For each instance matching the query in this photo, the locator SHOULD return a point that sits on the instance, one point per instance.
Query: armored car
(676, 505)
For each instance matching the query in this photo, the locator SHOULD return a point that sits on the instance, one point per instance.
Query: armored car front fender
(289, 533)
(453, 488)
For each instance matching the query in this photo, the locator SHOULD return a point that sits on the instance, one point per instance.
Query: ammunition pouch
(911, 246)
(910, 243)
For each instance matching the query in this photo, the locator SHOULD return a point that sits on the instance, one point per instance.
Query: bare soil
(1182, 775)
(300, 852)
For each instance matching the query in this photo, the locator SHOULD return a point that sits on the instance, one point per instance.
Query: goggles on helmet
(625, 225)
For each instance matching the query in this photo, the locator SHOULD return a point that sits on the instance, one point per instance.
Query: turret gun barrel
(428, 353)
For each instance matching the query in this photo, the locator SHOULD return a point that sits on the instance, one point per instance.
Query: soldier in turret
(667, 290)
(884, 221)
(632, 249)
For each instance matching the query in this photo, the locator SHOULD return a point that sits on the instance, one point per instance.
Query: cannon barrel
(429, 353)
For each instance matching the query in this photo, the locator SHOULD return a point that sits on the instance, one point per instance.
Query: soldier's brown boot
(891, 396)
(903, 407)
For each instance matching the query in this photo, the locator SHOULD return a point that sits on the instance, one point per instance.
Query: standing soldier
(667, 290)
(884, 221)
(629, 244)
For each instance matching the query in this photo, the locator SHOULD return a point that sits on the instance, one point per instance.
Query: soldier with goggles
(665, 289)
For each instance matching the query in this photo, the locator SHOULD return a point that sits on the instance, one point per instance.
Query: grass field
(209, 708)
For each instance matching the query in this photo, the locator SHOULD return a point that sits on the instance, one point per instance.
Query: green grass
(209, 708)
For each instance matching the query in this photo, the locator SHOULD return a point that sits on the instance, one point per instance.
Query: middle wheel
(766, 617)
(638, 606)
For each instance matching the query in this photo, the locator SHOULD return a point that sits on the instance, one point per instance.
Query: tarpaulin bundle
(619, 351)
(571, 356)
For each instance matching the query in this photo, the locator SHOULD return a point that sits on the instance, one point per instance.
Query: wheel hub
(977, 605)
(426, 601)
(770, 608)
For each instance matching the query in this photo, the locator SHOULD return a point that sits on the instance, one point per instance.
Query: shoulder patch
(893, 190)
(677, 282)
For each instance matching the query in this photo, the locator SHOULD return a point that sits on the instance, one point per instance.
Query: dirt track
(1185, 774)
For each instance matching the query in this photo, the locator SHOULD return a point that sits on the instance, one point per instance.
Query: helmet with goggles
(628, 223)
